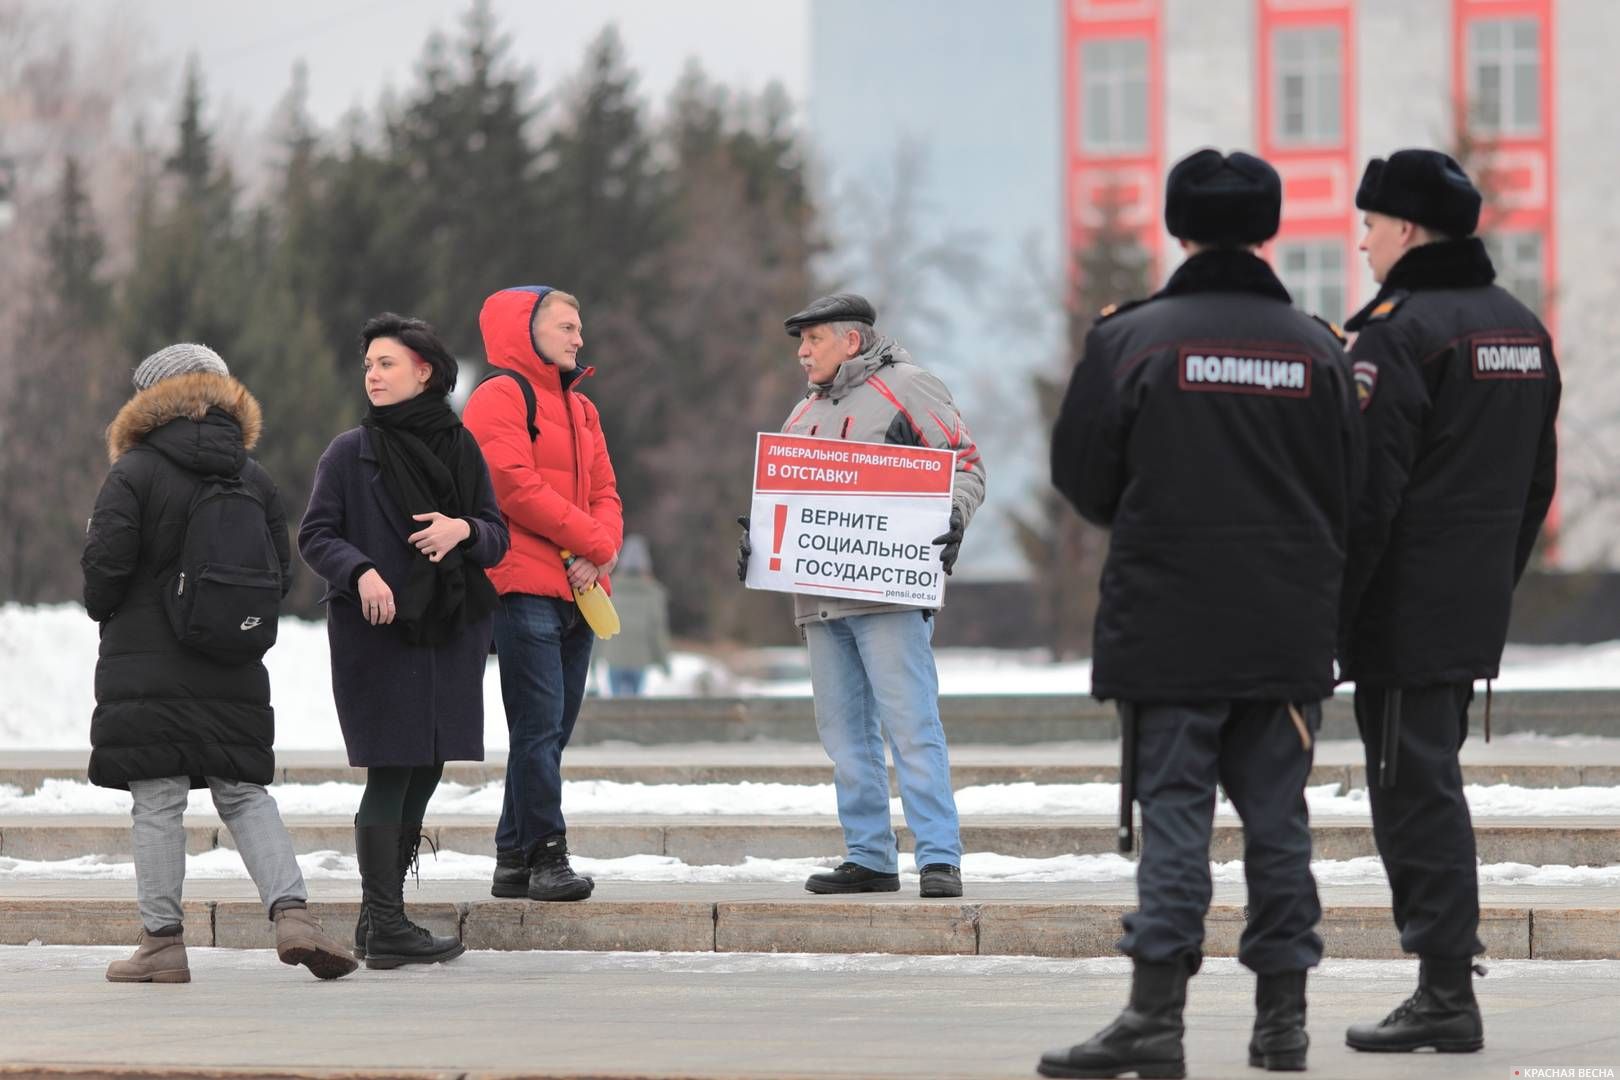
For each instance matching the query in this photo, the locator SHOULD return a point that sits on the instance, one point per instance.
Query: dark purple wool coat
(398, 704)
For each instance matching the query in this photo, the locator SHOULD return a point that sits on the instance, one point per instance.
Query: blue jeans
(544, 647)
(873, 678)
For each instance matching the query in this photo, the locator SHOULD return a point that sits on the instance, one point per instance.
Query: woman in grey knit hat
(170, 718)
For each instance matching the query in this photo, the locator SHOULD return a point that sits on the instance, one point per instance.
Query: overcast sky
(356, 48)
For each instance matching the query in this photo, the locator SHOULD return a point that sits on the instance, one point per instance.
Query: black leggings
(398, 794)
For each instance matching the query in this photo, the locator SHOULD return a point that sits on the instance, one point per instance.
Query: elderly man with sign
(871, 653)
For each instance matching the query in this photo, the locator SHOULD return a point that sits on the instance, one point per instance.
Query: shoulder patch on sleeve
(1388, 306)
(1333, 328)
(1366, 376)
(1123, 306)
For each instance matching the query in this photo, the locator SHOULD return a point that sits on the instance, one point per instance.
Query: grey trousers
(158, 840)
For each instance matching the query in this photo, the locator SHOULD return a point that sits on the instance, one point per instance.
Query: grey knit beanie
(178, 360)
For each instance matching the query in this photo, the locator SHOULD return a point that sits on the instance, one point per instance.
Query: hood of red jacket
(507, 323)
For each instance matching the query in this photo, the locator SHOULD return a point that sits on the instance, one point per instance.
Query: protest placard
(850, 519)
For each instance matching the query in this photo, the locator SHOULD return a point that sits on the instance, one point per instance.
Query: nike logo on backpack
(250, 622)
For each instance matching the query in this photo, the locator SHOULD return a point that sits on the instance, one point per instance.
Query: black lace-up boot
(550, 876)
(1442, 1013)
(391, 940)
(1145, 1039)
(511, 876)
(1279, 1041)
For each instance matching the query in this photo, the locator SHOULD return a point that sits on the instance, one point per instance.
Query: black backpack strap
(528, 395)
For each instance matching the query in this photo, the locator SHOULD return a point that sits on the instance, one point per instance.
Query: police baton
(1127, 773)
(1389, 753)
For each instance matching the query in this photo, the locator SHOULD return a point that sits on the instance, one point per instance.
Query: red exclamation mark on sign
(776, 544)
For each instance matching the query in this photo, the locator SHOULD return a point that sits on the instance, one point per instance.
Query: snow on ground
(48, 655)
(980, 867)
(584, 798)
(23, 965)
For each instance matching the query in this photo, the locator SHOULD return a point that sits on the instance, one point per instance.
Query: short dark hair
(418, 336)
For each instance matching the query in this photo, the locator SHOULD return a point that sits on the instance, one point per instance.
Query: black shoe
(1145, 1039)
(1442, 1014)
(511, 876)
(850, 878)
(550, 876)
(941, 879)
(392, 940)
(1279, 1041)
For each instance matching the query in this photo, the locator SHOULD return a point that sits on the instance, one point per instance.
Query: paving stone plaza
(728, 978)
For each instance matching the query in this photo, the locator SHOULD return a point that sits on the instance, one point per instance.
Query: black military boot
(1145, 1039)
(1442, 1013)
(851, 878)
(511, 876)
(1279, 1041)
(410, 839)
(391, 941)
(550, 876)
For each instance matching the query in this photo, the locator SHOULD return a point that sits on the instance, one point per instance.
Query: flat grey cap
(839, 307)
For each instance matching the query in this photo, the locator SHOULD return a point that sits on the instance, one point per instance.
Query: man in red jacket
(549, 463)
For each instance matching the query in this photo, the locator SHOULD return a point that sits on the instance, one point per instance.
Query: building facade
(1517, 89)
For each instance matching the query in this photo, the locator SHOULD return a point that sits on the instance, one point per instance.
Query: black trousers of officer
(1421, 825)
(1254, 749)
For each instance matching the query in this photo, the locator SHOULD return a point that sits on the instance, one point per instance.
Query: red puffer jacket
(557, 491)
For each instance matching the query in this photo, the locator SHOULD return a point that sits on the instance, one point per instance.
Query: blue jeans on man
(544, 647)
(874, 679)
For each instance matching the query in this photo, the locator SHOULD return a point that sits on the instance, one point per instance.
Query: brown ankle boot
(300, 940)
(156, 960)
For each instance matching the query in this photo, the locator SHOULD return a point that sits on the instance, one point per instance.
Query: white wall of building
(1587, 282)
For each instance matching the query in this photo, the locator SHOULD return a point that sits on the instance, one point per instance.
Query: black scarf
(1225, 270)
(430, 463)
(1444, 264)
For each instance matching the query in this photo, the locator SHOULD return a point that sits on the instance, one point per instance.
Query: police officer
(1213, 427)
(1459, 392)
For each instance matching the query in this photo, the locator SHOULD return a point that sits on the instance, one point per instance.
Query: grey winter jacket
(881, 396)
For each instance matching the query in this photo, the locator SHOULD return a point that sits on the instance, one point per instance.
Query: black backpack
(224, 596)
(528, 395)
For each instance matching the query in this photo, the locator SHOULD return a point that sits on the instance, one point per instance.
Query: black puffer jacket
(162, 709)
(1460, 395)
(1213, 428)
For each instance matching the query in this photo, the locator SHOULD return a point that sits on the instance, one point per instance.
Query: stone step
(1008, 920)
(728, 840)
(972, 765)
(1027, 718)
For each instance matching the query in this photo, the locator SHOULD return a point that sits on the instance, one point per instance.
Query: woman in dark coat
(402, 522)
(169, 718)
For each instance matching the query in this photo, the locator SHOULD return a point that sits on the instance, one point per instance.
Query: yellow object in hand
(595, 604)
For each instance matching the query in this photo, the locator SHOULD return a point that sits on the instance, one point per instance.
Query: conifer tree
(1064, 553)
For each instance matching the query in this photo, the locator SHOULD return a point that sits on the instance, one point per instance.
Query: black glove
(952, 541)
(745, 548)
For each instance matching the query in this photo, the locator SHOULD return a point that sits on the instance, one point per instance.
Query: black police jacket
(1213, 427)
(1459, 390)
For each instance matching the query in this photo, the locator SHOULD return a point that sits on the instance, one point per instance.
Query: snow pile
(588, 798)
(48, 655)
(981, 867)
(48, 662)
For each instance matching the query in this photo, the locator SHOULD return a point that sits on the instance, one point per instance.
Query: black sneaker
(941, 879)
(852, 877)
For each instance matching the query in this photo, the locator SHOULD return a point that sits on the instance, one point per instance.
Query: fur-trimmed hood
(189, 398)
